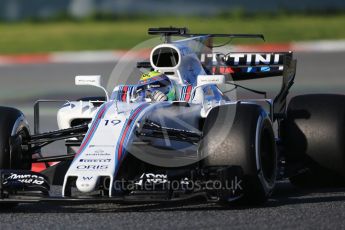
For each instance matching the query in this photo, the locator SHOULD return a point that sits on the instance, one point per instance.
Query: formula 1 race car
(177, 135)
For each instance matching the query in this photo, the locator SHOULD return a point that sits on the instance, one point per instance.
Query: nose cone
(86, 183)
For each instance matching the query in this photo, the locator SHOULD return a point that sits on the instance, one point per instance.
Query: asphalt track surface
(289, 208)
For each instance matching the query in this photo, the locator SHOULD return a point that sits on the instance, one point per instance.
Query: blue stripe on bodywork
(183, 93)
(128, 134)
(94, 127)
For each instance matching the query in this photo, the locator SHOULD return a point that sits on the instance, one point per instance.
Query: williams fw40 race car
(176, 135)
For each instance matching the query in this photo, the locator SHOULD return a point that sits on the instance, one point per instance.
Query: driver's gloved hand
(158, 96)
(136, 97)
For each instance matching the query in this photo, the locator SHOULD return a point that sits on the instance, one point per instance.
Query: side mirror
(203, 80)
(93, 80)
(211, 79)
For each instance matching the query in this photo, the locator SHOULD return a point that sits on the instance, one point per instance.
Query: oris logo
(92, 167)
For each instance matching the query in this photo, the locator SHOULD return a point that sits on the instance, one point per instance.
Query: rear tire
(313, 136)
(247, 142)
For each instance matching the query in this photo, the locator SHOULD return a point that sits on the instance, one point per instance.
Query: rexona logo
(95, 160)
(92, 167)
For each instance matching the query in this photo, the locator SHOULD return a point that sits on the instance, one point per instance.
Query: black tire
(247, 142)
(13, 130)
(313, 136)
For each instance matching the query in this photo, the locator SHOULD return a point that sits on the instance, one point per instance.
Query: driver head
(156, 81)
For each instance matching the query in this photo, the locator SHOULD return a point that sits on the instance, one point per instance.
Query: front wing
(22, 186)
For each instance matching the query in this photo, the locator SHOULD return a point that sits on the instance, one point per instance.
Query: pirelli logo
(95, 160)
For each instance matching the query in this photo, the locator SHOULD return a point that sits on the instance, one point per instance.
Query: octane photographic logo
(154, 182)
(163, 151)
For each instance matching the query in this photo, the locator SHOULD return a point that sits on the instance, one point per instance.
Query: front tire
(14, 130)
(247, 142)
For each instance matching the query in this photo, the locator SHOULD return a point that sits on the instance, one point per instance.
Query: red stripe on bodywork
(188, 91)
(126, 130)
(100, 115)
(124, 93)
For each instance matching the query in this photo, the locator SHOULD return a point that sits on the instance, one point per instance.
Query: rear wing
(246, 66)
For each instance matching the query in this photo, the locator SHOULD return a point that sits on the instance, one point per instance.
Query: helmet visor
(156, 83)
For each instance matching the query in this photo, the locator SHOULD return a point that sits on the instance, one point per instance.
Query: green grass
(29, 37)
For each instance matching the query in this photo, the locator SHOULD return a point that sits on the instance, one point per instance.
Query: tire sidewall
(12, 123)
(244, 140)
(267, 184)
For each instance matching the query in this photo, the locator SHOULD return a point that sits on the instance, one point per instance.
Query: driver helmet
(155, 80)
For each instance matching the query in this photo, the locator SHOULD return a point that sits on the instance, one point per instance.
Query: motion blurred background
(36, 26)
(44, 44)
